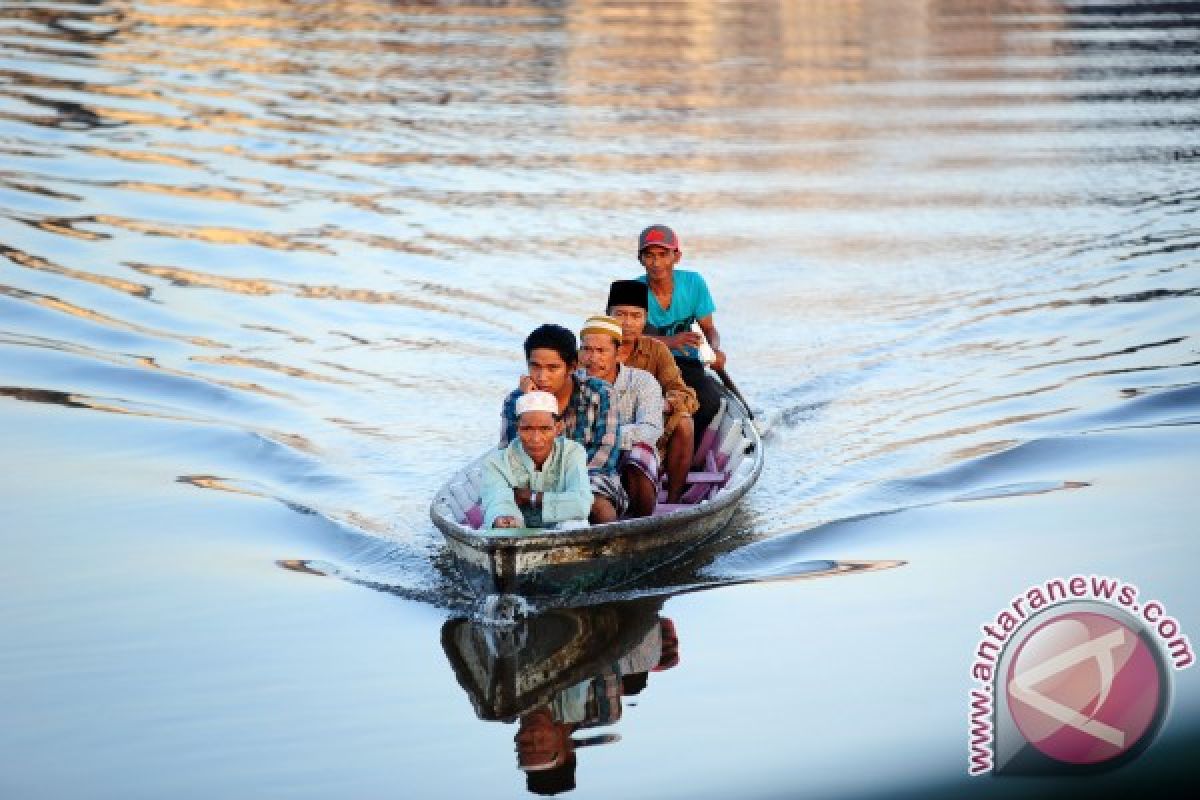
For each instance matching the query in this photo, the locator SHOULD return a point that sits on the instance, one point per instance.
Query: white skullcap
(602, 324)
(537, 401)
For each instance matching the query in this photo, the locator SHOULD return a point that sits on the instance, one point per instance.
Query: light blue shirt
(563, 481)
(690, 302)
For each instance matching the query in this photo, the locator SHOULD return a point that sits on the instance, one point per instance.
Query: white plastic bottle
(706, 352)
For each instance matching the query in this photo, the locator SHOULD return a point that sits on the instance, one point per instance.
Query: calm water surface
(266, 271)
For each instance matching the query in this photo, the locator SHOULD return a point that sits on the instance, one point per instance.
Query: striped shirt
(590, 419)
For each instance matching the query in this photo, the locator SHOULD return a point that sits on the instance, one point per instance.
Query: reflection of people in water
(546, 753)
(545, 747)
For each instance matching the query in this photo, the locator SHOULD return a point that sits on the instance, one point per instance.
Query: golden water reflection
(377, 200)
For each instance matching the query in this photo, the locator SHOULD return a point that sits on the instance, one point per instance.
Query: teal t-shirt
(690, 301)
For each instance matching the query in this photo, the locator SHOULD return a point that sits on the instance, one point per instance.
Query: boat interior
(717, 465)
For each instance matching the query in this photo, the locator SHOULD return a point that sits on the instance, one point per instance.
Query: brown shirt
(654, 357)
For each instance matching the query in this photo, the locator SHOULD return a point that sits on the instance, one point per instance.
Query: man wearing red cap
(678, 298)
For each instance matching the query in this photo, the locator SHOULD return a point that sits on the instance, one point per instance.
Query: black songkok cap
(629, 293)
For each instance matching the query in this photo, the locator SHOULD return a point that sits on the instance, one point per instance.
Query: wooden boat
(533, 562)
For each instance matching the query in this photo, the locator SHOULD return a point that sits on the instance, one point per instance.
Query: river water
(267, 268)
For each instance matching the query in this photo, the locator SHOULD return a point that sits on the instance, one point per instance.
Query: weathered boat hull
(515, 565)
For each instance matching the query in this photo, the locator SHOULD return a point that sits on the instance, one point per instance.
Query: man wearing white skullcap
(541, 477)
(586, 406)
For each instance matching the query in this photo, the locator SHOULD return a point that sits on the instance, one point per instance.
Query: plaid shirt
(590, 419)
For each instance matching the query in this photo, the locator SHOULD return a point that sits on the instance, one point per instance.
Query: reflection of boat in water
(501, 562)
(507, 670)
(560, 673)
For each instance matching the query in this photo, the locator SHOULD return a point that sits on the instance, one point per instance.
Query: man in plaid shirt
(587, 408)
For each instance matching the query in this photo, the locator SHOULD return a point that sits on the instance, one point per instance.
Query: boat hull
(516, 565)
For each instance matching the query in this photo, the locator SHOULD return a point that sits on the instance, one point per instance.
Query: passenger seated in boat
(540, 478)
(628, 303)
(588, 413)
(679, 299)
(639, 400)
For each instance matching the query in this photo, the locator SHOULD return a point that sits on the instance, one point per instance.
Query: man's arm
(508, 419)
(647, 425)
(573, 500)
(681, 397)
(602, 449)
(678, 341)
(496, 493)
(714, 340)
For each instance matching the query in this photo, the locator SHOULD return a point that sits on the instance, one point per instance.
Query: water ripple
(937, 233)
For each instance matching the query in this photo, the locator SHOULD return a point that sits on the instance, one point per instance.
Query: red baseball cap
(658, 235)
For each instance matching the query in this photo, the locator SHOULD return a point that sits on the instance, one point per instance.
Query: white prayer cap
(604, 325)
(537, 401)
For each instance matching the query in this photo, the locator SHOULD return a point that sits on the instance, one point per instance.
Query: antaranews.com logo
(1072, 676)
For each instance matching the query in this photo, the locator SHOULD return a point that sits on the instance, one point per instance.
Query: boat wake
(760, 562)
